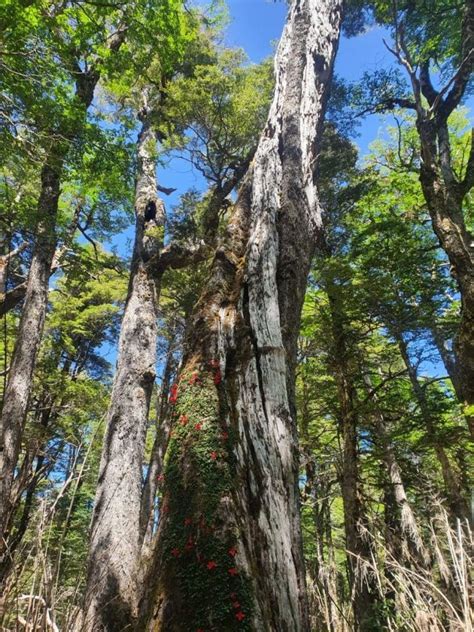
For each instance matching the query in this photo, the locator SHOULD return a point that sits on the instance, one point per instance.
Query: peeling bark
(247, 322)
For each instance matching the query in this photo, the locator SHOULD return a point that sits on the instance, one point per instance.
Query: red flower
(233, 571)
(161, 478)
(200, 630)
(198, 426)
(174, 394)
(188, 521)
(236, 605)
(194, 378)
(217, 377)
(183, 420)
(240, 616)
(213, 455)
(233, 596)
(214, 363)
(175, 552)
(232, 551)
(225, 435)
(189, 544)
(211, 564)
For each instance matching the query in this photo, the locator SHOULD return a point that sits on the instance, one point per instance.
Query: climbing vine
(200, 546)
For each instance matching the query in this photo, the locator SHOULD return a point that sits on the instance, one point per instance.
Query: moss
(156, 232)
(212, 592)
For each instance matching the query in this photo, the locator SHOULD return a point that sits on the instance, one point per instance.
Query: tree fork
(242, 337)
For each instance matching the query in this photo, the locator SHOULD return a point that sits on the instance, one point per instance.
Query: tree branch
(461, 78)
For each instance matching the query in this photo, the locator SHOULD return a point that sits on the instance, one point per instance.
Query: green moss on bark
(208, 587)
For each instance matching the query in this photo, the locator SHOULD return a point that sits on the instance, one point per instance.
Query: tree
(230, 503)
(212, 121)
(425, 40)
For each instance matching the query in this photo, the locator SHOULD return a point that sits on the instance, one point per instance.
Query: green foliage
(199, 546)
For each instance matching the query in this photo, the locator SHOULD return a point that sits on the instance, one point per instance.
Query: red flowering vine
(198, 426)
(175, 552)
(232, 551)
(211, 565)
(217, 377)
(233, 571)
(194, 378)
(173, 394)
(183, 420)
(213, 455)
(239, 616)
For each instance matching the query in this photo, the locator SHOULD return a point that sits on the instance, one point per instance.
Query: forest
(237, 315)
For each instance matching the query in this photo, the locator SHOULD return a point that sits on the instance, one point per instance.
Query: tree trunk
(447, 216)
(358, 545)
(30, 331)
(409, 532)
(229, 552)
(17, 392)
(115, 540)
(155, 466)
(454, 495)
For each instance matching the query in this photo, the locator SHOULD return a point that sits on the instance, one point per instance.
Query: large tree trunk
(445, 204)
(115, 540)
(445, 193)
(229, 550)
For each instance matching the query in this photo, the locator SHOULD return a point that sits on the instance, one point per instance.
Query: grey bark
(115, 540)
(248, 317)
(155, 466)
(17, 392)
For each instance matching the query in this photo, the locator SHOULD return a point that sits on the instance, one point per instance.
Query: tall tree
(425, 40)
(229, 543)
(118, 525)
(82, 67)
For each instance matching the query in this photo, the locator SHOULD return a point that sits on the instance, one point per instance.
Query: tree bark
(30, 331)
(155, 466)
(115, 540)
(229, 552)
(443, 190)
(17, 392)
